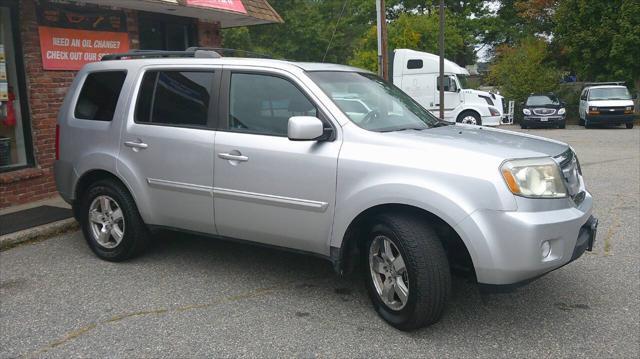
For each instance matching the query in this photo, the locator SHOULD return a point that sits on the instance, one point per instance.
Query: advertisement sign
(69, 49)
(71, 36)
(73, 17)
(230, 5)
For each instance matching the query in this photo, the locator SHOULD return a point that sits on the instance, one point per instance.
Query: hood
(482, 140)
(610, 103)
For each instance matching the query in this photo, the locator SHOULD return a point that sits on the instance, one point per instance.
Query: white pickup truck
(417, 74)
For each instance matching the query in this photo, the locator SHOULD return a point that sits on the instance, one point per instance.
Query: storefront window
(166, 32)
(13, 144)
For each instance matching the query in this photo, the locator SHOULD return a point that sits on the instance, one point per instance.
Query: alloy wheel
(106, 221)
(388, 272)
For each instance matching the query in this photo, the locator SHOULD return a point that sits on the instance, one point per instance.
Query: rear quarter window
(99, 95)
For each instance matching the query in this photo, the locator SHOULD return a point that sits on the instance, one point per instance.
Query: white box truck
(417, 74)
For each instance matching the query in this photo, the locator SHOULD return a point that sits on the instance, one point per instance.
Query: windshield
(464, 81)
(542, 100)
(373, 104)
(609, 93)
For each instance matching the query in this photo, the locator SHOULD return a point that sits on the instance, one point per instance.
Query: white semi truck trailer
(417, 74)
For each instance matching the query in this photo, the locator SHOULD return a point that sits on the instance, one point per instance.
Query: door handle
(136, 144)
(230, 157)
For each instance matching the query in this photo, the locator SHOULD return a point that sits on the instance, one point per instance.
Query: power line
(344, 5)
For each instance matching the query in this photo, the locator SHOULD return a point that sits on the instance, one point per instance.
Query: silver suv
(266, 151)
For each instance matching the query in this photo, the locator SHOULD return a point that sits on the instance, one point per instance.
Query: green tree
(522, 69)
(309, 29)
(600, 40)
(417, 32)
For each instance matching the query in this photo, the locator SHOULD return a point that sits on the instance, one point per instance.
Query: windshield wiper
(404, 129)
(442, 123)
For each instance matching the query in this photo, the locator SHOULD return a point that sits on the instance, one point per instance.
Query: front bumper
(609, 119)
(543, 120)
(491, 120)
(506, 247)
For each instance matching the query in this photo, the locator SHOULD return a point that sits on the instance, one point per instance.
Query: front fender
(482, 110)
(445, 201)
(347, 209)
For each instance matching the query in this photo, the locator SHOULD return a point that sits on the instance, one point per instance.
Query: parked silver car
(260, 150)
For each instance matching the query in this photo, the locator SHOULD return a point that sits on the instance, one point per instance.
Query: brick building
(44, 42)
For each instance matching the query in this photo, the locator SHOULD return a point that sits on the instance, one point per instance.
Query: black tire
(629, 125)
(581, 122)
(136, 234)
(427, 267)
(470, 113)
(523, 126)
(562, 125)
(586, 124)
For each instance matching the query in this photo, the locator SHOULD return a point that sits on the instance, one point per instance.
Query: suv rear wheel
(111, 223)
(629, 125)
(406, 271)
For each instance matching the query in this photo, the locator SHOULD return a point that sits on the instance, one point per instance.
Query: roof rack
(197, 52)
(137, 54)
(232, 52)
(617, 83)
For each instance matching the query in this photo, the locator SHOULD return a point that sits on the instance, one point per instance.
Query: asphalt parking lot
(191, 296)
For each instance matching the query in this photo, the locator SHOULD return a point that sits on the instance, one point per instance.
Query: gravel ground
(191, 296)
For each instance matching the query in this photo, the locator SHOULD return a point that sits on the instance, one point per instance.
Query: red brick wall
(45, 91)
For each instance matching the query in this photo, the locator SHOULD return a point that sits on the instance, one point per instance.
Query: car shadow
(545, 302)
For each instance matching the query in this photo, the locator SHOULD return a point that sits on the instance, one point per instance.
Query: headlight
(534, 178)
(562, 111)
(526, 111)
(628, 110)
(494, 111)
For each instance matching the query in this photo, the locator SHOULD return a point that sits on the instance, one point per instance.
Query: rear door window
(99, 95)
(175, 98)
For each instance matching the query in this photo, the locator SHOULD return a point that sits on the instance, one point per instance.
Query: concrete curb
(38, 233)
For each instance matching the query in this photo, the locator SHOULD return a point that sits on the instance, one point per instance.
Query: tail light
(57, 142)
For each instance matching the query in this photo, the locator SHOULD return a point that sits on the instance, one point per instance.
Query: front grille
(544, 111)
(569, 165)
(611, 110)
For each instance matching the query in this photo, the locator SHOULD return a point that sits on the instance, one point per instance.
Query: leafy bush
(523, 69)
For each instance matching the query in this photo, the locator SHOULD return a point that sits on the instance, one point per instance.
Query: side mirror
(304, 128)
(458, 89)
(634, 96)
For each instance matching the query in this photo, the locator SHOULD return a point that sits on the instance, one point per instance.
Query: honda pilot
(272, 152)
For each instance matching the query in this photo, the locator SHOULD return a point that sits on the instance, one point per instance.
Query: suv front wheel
(406, 271)
(111, 223)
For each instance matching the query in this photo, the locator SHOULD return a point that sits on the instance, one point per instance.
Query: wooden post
(383, 54)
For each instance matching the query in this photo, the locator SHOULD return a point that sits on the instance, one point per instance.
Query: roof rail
(143, 54)
(232, 52)
(618, 83)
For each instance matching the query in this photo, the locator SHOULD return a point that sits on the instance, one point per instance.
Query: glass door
(15, 146)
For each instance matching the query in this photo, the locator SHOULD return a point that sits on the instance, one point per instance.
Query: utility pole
(441, 41)
(383, 55)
